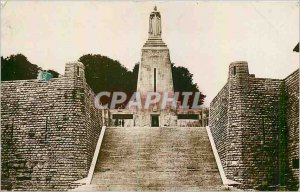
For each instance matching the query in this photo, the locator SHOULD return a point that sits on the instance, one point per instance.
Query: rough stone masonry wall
(259, 130)
(219, 121)
(93, 122)
(48, 133)
(292, 83)
(243, 121)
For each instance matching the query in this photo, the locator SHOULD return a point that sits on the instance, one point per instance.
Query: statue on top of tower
(155, 24)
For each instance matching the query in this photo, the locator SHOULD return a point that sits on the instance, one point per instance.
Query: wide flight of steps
(156, 158)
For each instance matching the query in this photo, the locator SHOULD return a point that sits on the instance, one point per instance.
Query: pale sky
(204, 36)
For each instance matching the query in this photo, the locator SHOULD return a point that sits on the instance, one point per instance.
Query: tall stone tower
(155, 68)
(155, 75)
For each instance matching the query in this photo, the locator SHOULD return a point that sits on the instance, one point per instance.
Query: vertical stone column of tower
(155, 74)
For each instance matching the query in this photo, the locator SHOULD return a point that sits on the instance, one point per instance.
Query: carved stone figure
(155, 24)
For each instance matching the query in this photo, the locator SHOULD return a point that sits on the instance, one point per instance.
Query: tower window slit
(154, 79)
(263, 130)
(77, 71)
(234, 70)
(46, 129)
(295, 163)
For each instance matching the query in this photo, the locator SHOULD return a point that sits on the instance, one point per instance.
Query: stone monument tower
(155, 68)
(155, 75)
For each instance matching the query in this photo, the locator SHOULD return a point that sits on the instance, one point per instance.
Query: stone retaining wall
(244, 125)
(49, 130)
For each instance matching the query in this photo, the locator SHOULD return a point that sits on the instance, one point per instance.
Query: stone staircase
(155, 158)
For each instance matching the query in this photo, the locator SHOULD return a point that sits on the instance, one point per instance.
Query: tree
(135, 73)
(54, 73)
(105, 74)
(17, 67)
(183, 82)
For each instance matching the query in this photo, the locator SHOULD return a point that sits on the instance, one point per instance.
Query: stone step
(154, 43)
(148, 188)
(156, 158)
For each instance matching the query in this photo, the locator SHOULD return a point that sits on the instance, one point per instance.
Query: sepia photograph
(149, 95)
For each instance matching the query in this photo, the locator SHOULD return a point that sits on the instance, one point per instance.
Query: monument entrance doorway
(154, 120)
